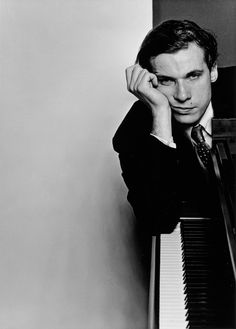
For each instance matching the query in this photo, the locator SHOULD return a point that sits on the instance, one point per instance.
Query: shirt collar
(205, 121)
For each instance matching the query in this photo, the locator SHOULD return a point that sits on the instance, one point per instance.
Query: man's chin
(188, 120)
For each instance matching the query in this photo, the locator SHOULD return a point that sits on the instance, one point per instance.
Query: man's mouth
(182, 110)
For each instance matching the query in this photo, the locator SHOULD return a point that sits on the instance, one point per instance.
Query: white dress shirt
(206, 123)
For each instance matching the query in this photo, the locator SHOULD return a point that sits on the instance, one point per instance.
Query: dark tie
(203, 149)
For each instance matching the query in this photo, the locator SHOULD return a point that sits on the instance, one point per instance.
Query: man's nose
(182, 92)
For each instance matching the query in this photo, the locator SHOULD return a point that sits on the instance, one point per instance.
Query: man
(160, 161)
(172, 78)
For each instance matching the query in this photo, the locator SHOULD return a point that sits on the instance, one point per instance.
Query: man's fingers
(141, 82)
(132, 74)
(144, 85)
(135, 75)
(145, 80)
(141, 79)
(154, 80)
(128, 74)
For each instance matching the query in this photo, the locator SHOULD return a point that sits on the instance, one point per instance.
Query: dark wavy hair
(173, 35)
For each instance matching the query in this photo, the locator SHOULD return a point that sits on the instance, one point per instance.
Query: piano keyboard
(195, 290)
(172, 304)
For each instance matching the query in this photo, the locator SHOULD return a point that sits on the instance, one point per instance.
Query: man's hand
(143, 85)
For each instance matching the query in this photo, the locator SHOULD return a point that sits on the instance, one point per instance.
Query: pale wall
(65, 261)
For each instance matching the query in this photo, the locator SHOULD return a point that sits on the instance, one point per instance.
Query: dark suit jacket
(161, 179)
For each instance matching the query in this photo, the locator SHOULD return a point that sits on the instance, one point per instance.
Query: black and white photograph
(118, 149)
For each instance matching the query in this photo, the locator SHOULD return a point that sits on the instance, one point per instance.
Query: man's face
(184, 78)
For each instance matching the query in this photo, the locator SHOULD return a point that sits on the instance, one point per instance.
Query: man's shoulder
(136, 124)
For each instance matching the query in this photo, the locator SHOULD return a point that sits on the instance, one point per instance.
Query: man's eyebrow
(187, 75)
(162, 76)
(194, 72)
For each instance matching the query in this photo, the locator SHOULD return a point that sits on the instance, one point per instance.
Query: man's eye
(166, 82)
(194, 76)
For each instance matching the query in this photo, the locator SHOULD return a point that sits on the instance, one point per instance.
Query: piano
(193, 279)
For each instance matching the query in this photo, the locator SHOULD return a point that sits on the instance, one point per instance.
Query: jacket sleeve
(150, 171)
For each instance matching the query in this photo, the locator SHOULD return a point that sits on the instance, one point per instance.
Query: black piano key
(204, 269)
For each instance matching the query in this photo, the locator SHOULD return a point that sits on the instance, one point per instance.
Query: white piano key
(172, 306)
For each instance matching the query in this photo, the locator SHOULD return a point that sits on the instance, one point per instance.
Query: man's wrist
(169, 142)
(163, 130)
(161, 124)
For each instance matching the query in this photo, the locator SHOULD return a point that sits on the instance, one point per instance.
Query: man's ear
(214, 73)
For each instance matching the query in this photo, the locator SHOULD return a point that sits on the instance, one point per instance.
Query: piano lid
(224, 105)
(224, 93)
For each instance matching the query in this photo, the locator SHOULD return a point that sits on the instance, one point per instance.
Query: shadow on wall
(122, 253)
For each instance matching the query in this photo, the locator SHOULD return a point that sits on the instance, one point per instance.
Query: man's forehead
(181, 62)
